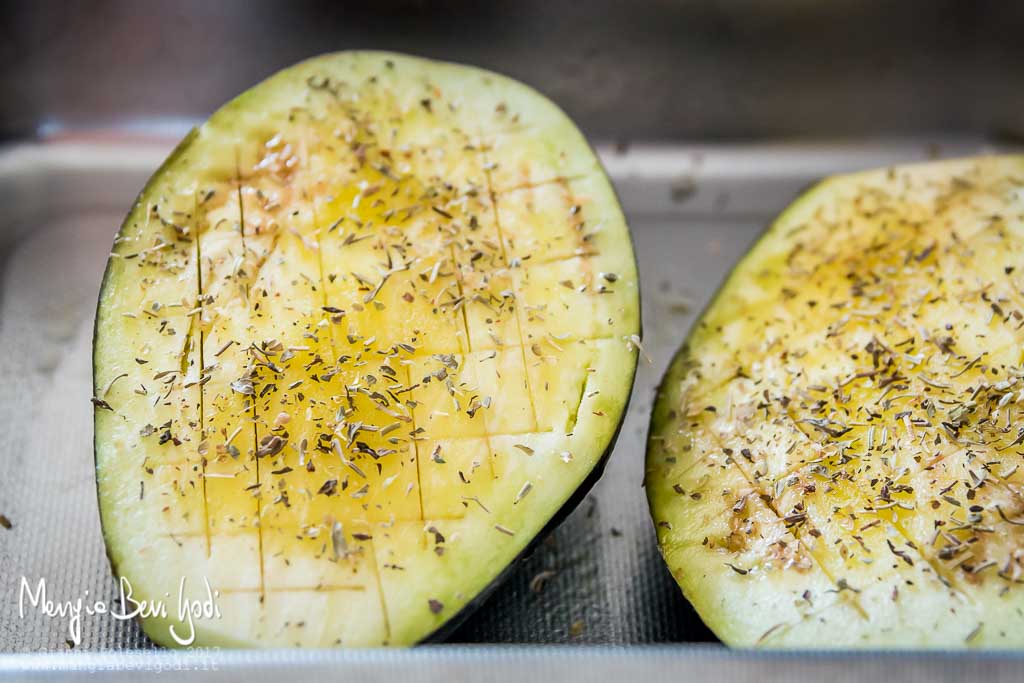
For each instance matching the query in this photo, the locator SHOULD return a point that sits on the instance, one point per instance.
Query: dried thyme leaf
(100, 403)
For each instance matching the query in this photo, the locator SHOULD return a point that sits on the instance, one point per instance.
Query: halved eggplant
(363, 335)
(834, 456)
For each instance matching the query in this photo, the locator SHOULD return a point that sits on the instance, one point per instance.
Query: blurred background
(654, 70)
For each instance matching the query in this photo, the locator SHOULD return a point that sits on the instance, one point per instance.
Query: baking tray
(693, 210)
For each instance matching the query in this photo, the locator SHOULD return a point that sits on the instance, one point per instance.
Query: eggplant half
(361, 338)
(834, 459)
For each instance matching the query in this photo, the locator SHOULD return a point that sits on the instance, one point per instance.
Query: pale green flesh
(362, 336)
(805, 489)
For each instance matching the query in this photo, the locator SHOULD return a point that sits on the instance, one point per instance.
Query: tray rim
(517, 662)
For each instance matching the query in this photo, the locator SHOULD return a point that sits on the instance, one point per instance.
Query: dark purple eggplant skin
(445, 630)
(449, 627)
(696, 623)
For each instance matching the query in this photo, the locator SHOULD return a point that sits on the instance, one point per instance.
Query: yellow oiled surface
(365, 332)
(835, 454)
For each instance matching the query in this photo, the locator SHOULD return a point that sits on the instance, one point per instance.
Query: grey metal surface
(693, 211)
(655, 70)
(517, 664)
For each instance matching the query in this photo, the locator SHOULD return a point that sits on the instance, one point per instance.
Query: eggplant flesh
(361, 337)
(834, 454)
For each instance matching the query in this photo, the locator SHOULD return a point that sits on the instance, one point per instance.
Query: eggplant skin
(219, 256)
(581, 492)
(820, 475)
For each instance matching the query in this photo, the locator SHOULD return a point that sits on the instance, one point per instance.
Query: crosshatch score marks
(396, 321)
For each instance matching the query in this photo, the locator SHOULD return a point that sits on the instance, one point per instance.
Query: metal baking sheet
(693, 211)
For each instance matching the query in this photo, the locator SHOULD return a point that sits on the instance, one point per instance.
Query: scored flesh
(834, 456)
(363, 335)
